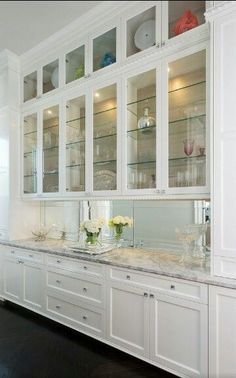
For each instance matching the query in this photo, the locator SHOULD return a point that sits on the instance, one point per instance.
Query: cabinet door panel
(128, 318)
(32, 285)
(30, 131)
(179, 337)
(222, 341)
(12, 274)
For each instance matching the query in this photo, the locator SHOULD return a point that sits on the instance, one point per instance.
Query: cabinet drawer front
(75, 265)
(25, 254)
(81, 287)
(90, 319)
(174, 287)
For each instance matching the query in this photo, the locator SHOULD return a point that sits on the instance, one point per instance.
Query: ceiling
(24, 24)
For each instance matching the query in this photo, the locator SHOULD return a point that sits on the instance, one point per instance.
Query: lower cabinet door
(222, 320)
(12, 274)
(179, 335)
(33, 285)
(128, 318)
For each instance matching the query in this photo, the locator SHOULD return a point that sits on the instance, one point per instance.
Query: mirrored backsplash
(157, 224)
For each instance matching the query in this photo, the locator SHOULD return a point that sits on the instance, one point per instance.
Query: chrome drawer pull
(128, 277)
(85, 317)
(57, 306)
(172, 287)
(58, 281)
(85, 289)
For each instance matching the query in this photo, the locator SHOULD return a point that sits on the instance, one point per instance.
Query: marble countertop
(158, 261)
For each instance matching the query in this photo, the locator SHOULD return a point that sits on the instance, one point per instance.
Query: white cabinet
(23, 282)
(12, 279)
(222, 347)
(224, 184)
(128, 318)
(179, 335)
(152, 317)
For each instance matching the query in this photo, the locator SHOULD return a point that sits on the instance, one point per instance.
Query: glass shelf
(187, 119)
(50, 148)
(141, 162)
(104, 111)
(105, 136)
(145, 133)
(188, 158)
(187, 86)
(104, 162)
(50, 173)
(32, 175)
(74, 120)
(50, 127)
(74, 143)
(143, 99)
(31, 132)
(75, 165)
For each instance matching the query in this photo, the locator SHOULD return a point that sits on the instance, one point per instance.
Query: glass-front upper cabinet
(75, 144)
(182, 16)
(187, 122)
(104, 50)
(51, 76)
(51, 149)
(75, 64)
(105, 139)
(143, 30)
(141, 131)
(30, 86)
(30, 132)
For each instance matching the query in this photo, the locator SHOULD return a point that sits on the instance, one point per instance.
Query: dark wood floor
(32, 346)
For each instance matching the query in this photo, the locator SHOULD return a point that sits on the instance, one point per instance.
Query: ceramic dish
(145, 35)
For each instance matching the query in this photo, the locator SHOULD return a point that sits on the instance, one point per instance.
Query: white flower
(92, 225)
(119, 219)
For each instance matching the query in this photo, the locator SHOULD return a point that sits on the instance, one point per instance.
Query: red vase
(187, 22)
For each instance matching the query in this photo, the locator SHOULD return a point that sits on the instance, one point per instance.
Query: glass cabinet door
(141, 31)
(105, 138)
(30, 86)
(104, 50)
(187, 121)
(75, 64)
(51, 76)
(75, 144)
(141, 131)
(30, 154)
(184, 16)
(51, 149)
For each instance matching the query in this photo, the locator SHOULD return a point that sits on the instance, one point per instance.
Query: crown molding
(9, 60)
(101, 15)
(220, 9)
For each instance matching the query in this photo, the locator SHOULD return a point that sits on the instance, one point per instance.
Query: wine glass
(188, 146)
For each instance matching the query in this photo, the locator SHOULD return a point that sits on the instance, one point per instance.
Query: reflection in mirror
(157, 224)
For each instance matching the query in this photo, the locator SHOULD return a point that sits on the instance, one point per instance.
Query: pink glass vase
(188, 146)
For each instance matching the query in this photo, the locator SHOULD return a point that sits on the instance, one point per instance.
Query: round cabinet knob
(85, 289)
(58, 307)
(85, 268)
(58, 281)
(172, 287)
(145, 294)
(58, 261)
(85, 317)
(128, 277)
(152, 296)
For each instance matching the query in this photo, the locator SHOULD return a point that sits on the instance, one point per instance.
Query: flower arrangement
(119, 222)
(92, 228)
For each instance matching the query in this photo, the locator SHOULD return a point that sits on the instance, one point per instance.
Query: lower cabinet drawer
(89, 320)
(174, 287)
(86, 289)
(76, 265)
(24, 254)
